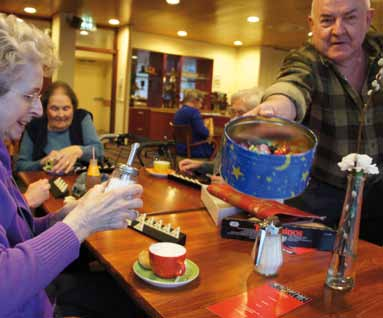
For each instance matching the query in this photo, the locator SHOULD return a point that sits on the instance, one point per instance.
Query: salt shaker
(125, 174)
(267, 250)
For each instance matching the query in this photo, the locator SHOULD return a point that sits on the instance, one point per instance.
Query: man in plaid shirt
(324, 84)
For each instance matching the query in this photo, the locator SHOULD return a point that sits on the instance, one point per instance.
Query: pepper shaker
(267, 250)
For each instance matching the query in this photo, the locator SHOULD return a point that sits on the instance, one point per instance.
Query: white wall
(123, 80)
(271, 61)
(92, 85)
(248, 61)
(224, 67)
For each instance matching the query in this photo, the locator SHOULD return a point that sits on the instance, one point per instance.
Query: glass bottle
(122, 175)
(125, 174)
(341, 272)
(267, 250)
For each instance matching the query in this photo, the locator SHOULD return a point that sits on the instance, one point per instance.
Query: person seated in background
(62, 136)
(240, 103)
(189, 114)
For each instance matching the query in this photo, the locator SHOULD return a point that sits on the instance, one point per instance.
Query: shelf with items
(160, 78)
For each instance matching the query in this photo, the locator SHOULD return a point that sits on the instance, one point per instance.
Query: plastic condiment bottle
(93, 175)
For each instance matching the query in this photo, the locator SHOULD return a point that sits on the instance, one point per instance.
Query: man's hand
(275, 105)
(37, 192)
(217, 180)
(188, 165)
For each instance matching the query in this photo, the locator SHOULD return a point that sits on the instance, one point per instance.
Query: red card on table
(268, 301)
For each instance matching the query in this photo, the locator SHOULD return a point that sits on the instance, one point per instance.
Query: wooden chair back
(182, 134)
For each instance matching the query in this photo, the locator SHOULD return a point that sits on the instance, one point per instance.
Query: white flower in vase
(358, 163)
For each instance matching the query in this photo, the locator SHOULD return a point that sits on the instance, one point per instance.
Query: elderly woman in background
(189, 114)
(240, 103)
(33, 251)
(63, 135)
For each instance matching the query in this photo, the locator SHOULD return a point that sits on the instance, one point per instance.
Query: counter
(153, 122)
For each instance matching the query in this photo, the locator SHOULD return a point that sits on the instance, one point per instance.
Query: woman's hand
(37, 192)
(217, 180)
(99, 210)
(66, 159)
(188, 165)
(51, 157)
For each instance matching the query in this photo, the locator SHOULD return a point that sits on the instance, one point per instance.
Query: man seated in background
(240, 103)
(189, 114)
(324, 84)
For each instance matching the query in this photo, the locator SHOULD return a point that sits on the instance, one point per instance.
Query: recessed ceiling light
(84, 32)
(182, 33)
(237, 43)
(114, 21)
(30, 10)
(173, 1)
(310, 34)
(134, 57)
(253, 19)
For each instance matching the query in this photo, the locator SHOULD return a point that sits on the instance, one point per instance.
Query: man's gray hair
(250, 97)
(192, 95)
(368, 4)
(21, 43)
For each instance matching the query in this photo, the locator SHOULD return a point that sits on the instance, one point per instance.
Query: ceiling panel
(283, 22)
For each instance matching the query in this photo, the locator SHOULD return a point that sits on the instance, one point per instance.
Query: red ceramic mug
(167, 259)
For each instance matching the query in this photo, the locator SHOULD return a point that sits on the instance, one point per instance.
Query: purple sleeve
(42, 223)
(30, 266)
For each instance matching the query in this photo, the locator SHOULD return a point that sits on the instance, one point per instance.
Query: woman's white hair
(368, 6)
(250, 97)
(21, 43)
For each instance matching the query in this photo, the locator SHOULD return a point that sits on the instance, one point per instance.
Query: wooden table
(160, 194)
(226, 270)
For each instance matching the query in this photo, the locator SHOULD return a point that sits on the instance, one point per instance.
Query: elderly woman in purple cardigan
(33, 251)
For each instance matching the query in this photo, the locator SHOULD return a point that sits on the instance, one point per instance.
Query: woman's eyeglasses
(235, 112)
(30, 98)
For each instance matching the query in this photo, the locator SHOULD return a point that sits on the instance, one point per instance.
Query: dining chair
(182, 134)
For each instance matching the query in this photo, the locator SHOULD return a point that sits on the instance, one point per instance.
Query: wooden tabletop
(226, 270)
(160, 194)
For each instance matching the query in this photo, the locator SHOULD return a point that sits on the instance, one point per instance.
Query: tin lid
(262, 130)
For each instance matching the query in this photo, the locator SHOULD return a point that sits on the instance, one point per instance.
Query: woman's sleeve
(28, 267)
(24, 160)
(91, 140)
(198, 125)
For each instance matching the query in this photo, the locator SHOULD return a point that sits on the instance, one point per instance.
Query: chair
(148, 150)
(182, 134)
(157, 149)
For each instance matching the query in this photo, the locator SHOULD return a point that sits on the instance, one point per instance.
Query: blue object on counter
(266, 176)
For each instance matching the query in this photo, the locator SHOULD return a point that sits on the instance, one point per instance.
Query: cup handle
(181, 268)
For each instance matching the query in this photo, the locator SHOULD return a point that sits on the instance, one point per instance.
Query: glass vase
(341, 272)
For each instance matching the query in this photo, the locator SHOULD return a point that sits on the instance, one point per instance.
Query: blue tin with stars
(263, 175)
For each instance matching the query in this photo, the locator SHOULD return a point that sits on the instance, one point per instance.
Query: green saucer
(191, 273)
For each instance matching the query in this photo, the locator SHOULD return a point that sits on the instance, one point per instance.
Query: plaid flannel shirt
(327, 103)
